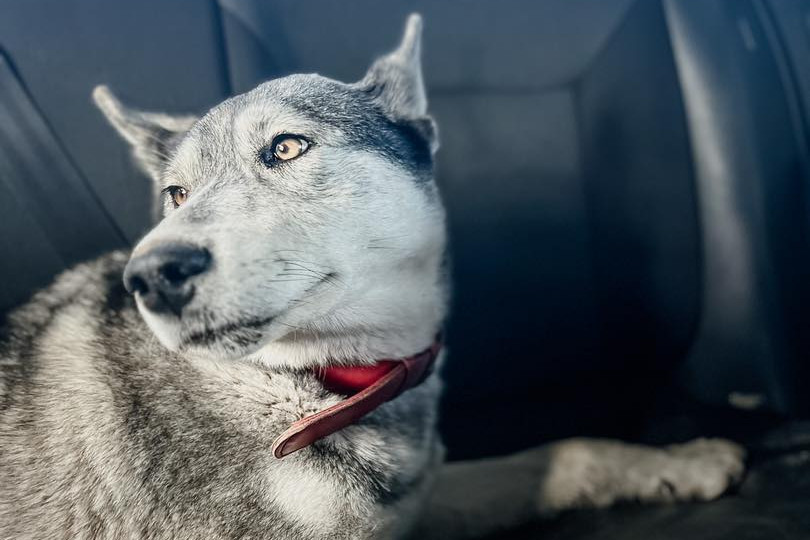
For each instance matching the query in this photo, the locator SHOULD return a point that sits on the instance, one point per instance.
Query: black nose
(162, 276)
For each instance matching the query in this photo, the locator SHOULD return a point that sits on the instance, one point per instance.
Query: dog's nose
(162, 276)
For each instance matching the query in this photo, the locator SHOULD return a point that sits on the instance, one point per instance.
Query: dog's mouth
(236, 334)
(201, 330)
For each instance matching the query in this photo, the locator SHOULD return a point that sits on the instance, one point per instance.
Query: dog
(224, 379)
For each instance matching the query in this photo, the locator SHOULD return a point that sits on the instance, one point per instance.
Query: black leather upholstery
(749, 136)
(156, 54)
(626, 180)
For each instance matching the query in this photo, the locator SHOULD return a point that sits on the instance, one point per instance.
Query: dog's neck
(365, 388)
(380, 364)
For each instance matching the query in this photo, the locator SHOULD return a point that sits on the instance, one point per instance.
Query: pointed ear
(153, 136)
(396, 78)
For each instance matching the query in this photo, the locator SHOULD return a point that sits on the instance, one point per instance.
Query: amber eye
(283, 148)
(178, 194)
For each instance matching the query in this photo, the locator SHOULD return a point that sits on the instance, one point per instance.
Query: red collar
(367, 387)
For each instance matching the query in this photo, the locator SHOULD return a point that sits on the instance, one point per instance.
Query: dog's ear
(395, 80)
(153, 136)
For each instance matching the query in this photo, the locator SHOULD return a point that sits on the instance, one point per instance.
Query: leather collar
(366, 388)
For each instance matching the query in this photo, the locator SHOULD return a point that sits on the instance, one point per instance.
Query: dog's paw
(702, 469)
(593, 473)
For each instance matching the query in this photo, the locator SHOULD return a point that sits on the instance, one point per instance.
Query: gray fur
(106, 434)
(120, 422)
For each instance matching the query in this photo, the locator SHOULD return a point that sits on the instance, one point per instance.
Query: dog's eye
(177, 194)
(283, 148)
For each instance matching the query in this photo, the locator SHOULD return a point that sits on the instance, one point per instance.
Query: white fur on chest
(306, 496)
(323, 490)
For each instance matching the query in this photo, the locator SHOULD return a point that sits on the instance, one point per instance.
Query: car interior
(627, 189)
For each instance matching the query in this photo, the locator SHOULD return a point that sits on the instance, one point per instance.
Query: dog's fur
(120, 424)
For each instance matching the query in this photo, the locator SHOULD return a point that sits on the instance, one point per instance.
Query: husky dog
(302, 231)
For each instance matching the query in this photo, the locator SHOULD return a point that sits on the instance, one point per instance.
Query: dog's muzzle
(163, 277)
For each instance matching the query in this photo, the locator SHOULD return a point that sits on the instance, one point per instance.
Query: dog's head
(300, 221)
